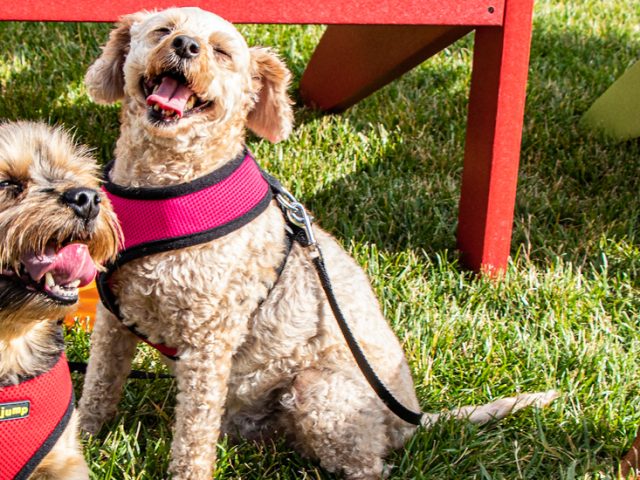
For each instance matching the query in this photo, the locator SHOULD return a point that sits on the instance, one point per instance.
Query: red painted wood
(353, 61)
(409, 12)
(365, 58)
(494, 132)
(630, 464)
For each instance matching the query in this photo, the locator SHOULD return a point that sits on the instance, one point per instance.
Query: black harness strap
(109, 300)
(378, 386)
(299, 222)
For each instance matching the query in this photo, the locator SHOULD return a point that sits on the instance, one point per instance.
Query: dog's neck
(145, 158)
(28, 351)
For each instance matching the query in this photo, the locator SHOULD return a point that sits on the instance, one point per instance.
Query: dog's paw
(538, 399)
(88, 424)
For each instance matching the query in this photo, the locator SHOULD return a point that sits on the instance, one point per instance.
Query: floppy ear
(272, 116)
(105, 77)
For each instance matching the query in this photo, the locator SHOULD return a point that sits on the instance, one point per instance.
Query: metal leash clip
(297, 214)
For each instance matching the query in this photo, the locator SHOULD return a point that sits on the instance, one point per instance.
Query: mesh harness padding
(26, 439)
(159, 219)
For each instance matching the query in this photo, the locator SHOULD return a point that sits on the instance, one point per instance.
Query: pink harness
(149, 215)
(159, 219)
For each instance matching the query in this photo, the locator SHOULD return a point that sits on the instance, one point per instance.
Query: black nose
(85, 202)
(185, 46)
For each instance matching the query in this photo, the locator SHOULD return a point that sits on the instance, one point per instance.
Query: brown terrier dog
(52, 229)
(260, 352)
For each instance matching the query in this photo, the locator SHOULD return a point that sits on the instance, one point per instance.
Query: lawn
(384, 177)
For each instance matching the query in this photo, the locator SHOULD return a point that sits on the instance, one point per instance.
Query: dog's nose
(185, 46)
(85, 202)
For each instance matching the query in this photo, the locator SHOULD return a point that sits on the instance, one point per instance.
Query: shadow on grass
(43, 66)
(574, 188)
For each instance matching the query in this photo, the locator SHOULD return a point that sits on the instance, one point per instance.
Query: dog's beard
(13, 297)
(54, 254)
(21, 309)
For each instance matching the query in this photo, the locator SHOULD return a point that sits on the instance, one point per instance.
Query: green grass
(384, 178)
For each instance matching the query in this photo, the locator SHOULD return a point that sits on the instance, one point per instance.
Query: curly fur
(41, 163)
(259, 355)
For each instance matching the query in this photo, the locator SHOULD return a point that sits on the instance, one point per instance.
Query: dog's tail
(495, 410)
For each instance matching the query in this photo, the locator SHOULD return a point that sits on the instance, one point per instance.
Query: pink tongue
(171, 95)
(71, 263)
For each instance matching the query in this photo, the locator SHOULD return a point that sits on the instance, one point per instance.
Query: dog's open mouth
(55, 273)
(169, 98)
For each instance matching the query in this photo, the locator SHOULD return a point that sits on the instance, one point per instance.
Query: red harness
(159, 219)
(33, 415)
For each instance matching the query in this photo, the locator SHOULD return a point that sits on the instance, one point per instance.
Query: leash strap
(81, 367)
(369, 373)
(301, 224)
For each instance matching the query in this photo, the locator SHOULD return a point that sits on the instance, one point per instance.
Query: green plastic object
(617, 111)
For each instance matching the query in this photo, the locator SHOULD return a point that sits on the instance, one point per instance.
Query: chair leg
(353, 61)
(630, 464)
(494, 132)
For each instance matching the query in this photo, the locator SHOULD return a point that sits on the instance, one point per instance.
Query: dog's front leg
(112, 348)
(202, 377)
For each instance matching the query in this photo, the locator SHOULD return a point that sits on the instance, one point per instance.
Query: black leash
(301, 223)
(81, 367)
(378, 386)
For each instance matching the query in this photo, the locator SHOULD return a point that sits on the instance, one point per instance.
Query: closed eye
(222, 46)
(222, 52)
(162, 32)
(11, 185)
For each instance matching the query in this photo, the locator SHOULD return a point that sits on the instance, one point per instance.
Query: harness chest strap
(160, 219)
(33, 415)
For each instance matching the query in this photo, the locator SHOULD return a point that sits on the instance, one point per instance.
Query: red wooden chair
(369, 43)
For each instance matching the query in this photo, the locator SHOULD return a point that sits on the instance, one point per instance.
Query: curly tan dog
(51, 226)
(260, 352)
